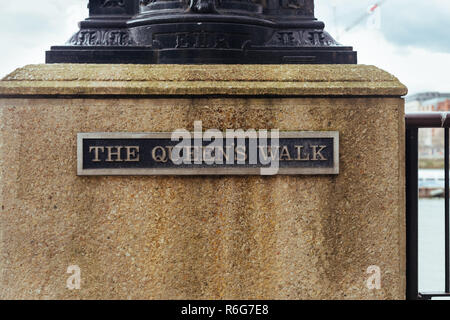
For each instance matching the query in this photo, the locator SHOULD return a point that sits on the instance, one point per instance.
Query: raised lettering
(96, 152)
(299, 154)
(116, 154)
(317, 154)
(132, 154)
(159, 156)
(285, 155)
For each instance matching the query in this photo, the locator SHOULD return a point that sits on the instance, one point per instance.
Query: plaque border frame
(335, 170)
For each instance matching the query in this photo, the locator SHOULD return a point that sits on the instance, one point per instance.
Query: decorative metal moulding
(202, 32)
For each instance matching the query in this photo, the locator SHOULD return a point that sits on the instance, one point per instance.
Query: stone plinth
(253, 237)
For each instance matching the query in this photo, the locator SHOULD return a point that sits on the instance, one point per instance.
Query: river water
(431, 245)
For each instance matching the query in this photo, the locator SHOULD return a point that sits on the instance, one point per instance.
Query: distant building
(424, 96)
(444, 106)
(426, 102)
(431, 142)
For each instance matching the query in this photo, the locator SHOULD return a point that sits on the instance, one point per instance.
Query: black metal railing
(414, 122)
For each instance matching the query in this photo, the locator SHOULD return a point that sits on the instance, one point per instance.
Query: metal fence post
(412, 229)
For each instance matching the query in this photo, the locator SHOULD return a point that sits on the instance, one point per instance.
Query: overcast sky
(412, 40)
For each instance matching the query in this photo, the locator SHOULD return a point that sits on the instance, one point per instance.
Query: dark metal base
(139, 55)
(202, 32)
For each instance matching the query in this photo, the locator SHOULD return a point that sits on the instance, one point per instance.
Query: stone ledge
(293, 80)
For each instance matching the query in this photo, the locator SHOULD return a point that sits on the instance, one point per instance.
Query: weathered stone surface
(297, 80)
(283, 237)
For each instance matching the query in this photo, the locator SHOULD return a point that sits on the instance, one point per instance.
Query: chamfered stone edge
(136, 80)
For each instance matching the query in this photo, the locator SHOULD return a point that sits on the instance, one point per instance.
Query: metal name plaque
(134, 154)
